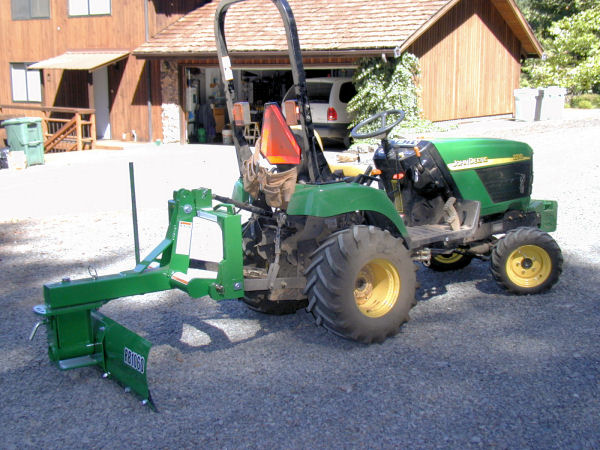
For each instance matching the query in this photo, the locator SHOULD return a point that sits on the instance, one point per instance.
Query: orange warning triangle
(278, 143)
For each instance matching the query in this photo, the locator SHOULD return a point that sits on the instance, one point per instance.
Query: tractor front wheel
(361, 284)
(527, 261)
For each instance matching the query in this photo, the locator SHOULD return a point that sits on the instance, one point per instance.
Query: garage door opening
(204, 97)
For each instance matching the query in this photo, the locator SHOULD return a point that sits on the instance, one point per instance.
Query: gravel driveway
(475, 367)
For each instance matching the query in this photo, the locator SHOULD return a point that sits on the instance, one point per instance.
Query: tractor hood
(473, 153)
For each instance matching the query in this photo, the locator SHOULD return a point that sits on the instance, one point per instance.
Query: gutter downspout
(147, 64)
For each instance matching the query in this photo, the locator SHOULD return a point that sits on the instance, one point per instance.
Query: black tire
(258, 301)
(526, 261)
(361, 284)
(454, 261)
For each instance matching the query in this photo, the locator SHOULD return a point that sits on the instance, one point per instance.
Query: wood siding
(470, 63)
(35, 40)
(163, 13)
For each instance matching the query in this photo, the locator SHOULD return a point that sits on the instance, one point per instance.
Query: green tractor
(344, 249)
(342, 246)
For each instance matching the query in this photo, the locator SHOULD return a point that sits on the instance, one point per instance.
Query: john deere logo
(484, 161)
(459, 164)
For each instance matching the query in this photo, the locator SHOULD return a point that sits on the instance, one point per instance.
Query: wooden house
(470, 50)
(136, 69)
(70, 62)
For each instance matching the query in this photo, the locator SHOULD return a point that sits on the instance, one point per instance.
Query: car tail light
(331, 114)
(241, 113)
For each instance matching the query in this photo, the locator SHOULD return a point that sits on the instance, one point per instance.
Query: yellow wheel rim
(376, 288)
(528, 266)
(450, 259)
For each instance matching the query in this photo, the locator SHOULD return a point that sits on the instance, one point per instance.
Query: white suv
(328, 98)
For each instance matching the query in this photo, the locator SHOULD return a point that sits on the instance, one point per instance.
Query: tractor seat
(344, 170)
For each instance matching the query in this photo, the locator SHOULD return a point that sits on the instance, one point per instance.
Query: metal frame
(79, 335)
(313, 160)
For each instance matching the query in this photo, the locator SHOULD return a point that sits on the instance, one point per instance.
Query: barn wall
(470, 63)
(163, 13)
(35, 40)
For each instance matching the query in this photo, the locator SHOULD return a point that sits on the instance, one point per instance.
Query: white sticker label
(184, 238)
(227, 68)
(134, 360)
(208, 240)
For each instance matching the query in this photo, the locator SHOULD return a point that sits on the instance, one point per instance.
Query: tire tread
(327, 288)
(517, 238)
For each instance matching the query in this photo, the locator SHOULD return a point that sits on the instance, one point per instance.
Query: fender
(326, 200)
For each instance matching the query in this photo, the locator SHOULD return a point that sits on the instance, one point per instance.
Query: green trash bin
(201, 135)
(25, 134)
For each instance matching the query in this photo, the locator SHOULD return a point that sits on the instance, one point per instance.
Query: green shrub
(585, 104)
(586, 101)
(383, 85)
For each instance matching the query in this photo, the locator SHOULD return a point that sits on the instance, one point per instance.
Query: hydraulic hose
(244, 206)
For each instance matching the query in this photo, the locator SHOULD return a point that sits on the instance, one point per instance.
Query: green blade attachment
(125, 356)
(80, 336)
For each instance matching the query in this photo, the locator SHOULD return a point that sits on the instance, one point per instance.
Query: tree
(572, 47)
(541, 14)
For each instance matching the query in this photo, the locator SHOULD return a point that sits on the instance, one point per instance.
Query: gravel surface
(475, 367)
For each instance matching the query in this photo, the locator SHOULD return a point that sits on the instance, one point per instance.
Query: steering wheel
(384, 129)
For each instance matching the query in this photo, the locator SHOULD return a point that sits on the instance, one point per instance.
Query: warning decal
(184, 238)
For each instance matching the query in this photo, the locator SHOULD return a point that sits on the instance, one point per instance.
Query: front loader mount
(79, 335)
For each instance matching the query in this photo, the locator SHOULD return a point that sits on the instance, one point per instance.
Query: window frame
(27, 90)
(30, 16)
(104, 14)
(347, 92)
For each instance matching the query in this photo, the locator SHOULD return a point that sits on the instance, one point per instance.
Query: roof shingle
(322, 26)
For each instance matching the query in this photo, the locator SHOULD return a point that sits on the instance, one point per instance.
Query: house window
(26, 84)
(30, 9)
(89, 7)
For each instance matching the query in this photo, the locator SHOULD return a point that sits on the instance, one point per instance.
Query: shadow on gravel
(207, 334)
(482, 295)
(24, 262)
(434, 284)
(28, 261)
(475, 367)
(206, 326)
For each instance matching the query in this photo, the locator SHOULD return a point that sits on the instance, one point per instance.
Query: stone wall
(169, 84)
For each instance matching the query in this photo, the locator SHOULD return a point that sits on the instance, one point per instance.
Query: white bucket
(17, 160)
(227, 137)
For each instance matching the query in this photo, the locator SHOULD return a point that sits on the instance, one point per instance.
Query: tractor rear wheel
(527, 261)
(454, 261)
(361, 284)
(259, 301)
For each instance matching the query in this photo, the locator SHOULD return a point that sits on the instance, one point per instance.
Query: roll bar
(313, 159)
